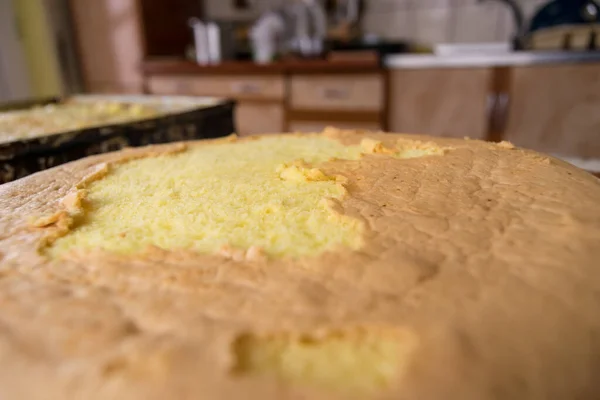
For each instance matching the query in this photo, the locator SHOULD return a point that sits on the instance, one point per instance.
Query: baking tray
(184, 118)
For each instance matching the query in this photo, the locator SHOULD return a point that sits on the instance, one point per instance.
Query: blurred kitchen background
(527, 71)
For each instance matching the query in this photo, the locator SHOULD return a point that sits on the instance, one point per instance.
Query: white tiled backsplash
(425, 21)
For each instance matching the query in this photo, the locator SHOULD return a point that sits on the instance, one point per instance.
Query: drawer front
(255, 118)
(347, 92)
(166, 85)
(232, 86)
(319, 126)
(113, 87)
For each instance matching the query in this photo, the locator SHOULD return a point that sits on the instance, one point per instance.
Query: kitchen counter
(183, 67)
(521, 58)
(397, 61)
(592, 165)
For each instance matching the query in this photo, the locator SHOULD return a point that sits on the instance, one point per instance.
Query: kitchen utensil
(309, 27)
(265, 35)
(565, 12)
(559, 24)
(519, 22)
(200, 40)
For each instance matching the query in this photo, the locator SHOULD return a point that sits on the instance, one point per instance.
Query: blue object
(565, 12)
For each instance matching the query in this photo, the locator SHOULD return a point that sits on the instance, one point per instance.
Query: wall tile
(476, 23)
(392, 25)
(423, 4)
(505, 29)
(432, 25)
(387, 6)
(223, 9)
(427, 21)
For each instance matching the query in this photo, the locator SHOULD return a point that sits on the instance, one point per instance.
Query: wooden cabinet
(318, 126)
(449, 102)
(167, 85)
(238, 87)
(360, 92)
(346, 101)
(556, 109)
(252, 118)
(550, 108)
(306, 95)
(260, 107)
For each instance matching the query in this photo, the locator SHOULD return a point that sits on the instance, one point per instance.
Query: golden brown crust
(488, 254)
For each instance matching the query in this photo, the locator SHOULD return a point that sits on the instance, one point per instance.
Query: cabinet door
(556, 109)
(362, 92)
(440, 101)
(254, 118)
(318, 126)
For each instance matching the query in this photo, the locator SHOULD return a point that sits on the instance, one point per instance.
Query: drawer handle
(335, 93)
(246, 88)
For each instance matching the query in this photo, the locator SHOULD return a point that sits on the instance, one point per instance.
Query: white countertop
(589, 164)
(492, 59)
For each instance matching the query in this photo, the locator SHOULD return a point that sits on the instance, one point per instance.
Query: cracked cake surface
(337, 265)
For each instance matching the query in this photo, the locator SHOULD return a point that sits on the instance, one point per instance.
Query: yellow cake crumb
(505, 145)
(216, 197)
(358, 361)
(222, 198)
(372, 146)
(416, 148)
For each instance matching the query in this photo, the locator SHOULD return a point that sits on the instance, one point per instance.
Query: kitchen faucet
(519, 20)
